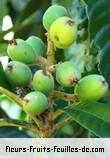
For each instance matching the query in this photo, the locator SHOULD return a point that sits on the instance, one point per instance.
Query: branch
(63, 96)
(56, 114)
(16, 123)
(12, 96)
(62, 123)
(37, 122)
(50, 51)
(52, 68)
(42, 62)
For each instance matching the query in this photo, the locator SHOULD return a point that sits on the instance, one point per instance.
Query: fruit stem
(52, 68)
(12, 96)
(37, 122)
(50, 51)
(63, 96)
(41, 61)
(56, 114)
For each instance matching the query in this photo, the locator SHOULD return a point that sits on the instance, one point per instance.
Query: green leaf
(19, 4)
(98, 16)
(98, 13)
(93, 116)
(31, 7)
(97, 109)
(92, 135)
(105, 62)
(91, 123)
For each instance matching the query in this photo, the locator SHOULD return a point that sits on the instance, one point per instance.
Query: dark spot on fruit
(73, 80)
(70, 22)
(104, 82)
(10, 68)
(13, 42)
(76, 81)
(56, 38)
(26, 101)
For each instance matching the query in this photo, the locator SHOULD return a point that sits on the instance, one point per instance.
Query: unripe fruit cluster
(62, 29)
(24, 53)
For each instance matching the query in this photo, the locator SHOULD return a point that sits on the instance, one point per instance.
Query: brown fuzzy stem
(40, 61)
(62, 123)
(56, 114)
(50, 51)
(63, 96)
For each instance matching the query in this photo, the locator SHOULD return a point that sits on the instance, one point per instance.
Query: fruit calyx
(70, 22)
(13, 42)
(104, 82)
(10, 68)
(73, 80)
(26, 101)
(46, 73)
